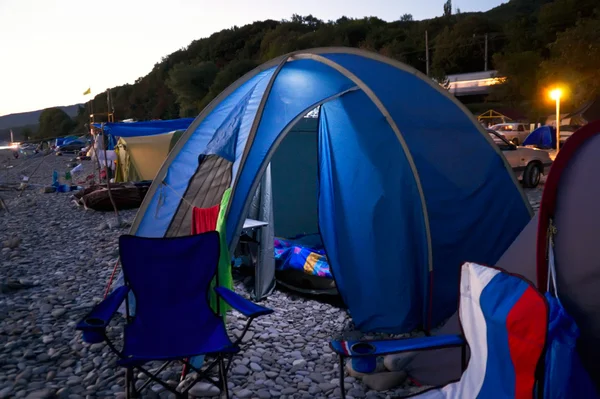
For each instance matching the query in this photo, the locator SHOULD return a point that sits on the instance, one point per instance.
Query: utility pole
(427, 52)
(485, 68)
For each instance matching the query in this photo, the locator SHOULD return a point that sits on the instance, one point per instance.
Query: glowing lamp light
(556, 94)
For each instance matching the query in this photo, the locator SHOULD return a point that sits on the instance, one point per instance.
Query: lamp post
(556, 94)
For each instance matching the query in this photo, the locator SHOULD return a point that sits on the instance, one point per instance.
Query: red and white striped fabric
(504, 320)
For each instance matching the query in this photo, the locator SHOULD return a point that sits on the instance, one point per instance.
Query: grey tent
(570, 211)
(586, 113)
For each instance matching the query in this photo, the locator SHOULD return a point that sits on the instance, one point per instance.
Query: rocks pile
(55, 261)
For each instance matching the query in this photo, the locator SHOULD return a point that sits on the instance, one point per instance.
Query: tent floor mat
(309, 291)
(299, 281)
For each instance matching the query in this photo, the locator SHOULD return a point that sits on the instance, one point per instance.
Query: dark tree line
(532, 42)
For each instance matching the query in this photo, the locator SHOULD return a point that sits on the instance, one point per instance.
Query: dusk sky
(51, 51)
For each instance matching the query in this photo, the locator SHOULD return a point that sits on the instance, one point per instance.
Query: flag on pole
(88, 91)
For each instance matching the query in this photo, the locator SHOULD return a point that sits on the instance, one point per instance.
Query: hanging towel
(204, 219)
(224, 269)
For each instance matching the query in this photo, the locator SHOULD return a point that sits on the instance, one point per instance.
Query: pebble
(58, 312)
(299, 362)
(66, 269)
(240, 370)
(255, 367)
(264, 394)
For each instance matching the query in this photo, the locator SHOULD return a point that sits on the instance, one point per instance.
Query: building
(473, 84)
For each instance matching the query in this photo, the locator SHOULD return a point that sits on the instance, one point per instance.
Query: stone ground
(55, 261)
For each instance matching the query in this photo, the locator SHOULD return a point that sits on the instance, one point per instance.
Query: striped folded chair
(504, 320)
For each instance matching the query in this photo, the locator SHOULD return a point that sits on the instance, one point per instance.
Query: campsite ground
(67, 254)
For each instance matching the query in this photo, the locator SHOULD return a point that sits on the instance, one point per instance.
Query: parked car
(513, 132)
(529, 164)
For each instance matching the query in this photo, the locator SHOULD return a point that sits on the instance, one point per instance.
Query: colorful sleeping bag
(305, 253)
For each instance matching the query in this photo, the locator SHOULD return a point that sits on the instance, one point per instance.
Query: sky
(51, 51)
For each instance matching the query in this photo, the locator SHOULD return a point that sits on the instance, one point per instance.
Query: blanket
(305, 253)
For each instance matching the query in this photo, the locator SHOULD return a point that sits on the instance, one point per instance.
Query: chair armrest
(390, 346)
(241, 304)
(103, 312)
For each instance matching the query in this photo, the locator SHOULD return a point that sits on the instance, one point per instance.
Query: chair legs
(342, 387)
(130, 390)
(223, 376)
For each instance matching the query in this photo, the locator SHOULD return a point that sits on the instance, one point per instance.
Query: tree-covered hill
(529, 41)
(534, 43)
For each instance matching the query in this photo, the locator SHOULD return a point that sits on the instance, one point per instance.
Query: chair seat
(143, 345)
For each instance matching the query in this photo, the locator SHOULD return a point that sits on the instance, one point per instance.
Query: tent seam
(254, 128)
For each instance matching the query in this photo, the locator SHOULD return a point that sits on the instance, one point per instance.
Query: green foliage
(191, 83)
(54, 122)
(27, 133)
(448, 8)
(560, 15)
(575, 61)
(520, 70)
(461, 48)
(227, 76)
(520, 32)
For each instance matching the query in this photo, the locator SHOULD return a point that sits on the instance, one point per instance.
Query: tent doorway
(300, 261)
(294, 173)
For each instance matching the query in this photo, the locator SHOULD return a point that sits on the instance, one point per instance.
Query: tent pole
(112, 200)
(96, 155)
(427, 52)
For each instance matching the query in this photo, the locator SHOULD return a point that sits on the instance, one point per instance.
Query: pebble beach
(55, 261)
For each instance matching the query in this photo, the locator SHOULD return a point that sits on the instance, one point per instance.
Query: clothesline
(178, 195)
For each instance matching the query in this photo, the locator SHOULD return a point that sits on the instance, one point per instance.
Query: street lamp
(556, 94)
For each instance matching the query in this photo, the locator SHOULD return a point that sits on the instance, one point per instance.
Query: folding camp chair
(170, 279)
(504, 320)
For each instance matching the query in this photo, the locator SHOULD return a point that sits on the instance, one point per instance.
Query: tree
(448, 8)
(461, 49)
(520, 71)
(27, 133)
(574, 60)
(191, 83)
(560, 15)
(186, 80)
(226, 77)
(54, 122)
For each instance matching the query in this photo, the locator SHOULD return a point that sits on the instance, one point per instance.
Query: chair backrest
(170, 279)
(505, 321)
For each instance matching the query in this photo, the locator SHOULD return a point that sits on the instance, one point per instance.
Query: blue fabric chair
(173, 321)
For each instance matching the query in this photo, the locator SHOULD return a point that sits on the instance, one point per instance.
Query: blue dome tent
(403, 198)
(543, 137)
